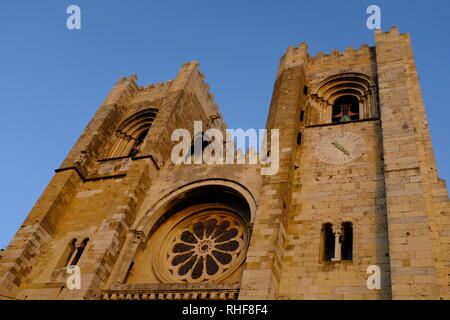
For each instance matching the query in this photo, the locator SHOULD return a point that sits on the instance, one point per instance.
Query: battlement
(152, 91)
(192, 81)
(158, 86)
(364, 48)
(188, 79)
(393, 33)
(337, 54)
(296, 56)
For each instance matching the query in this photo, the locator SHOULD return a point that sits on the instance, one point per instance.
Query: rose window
(204, 247)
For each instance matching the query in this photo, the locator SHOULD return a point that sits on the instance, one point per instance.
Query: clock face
(340, 148)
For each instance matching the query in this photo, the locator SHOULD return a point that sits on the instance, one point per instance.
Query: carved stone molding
(165, 291)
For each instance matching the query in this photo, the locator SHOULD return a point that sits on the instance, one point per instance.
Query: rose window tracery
(204, 247)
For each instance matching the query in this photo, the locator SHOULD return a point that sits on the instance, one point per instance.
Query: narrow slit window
(302, 115)
(347, 241)
(327, 242)
(299, 138)
(67, 254)
(79, 252)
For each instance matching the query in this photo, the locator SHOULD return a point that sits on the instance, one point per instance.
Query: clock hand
(340, 148)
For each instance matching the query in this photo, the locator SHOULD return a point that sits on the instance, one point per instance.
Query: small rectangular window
(328, 239)
(302, 115)
(305, 90)
(299, 138)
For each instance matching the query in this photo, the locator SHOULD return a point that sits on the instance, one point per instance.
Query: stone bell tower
(356, 189)
(357, 185)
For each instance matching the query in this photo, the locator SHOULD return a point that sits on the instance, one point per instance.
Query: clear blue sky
(53, 79)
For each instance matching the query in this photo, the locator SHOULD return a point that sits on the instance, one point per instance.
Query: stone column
(337, 246)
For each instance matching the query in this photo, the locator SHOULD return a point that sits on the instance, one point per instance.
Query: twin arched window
(337, 245)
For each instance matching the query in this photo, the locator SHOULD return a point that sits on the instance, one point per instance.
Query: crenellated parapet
(151, 92)
(335, 55)
(294, 57)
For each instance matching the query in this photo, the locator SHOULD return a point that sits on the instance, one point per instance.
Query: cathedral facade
(356, 189)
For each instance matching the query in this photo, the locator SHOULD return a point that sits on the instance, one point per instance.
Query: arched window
(343, 97)
(80, 249)
(72, 253)
(328, 242)
(132, 133)
(347, 241)
(67, 255)
(345, 108)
